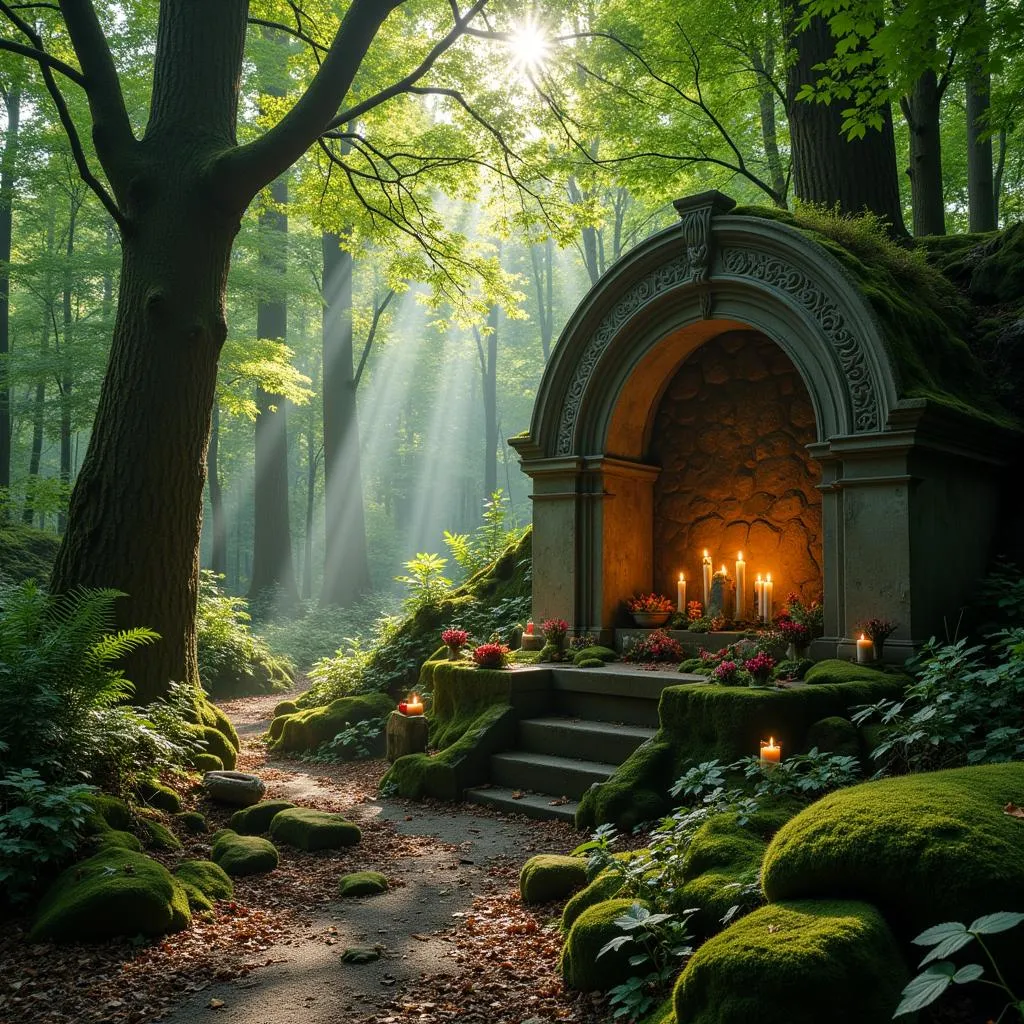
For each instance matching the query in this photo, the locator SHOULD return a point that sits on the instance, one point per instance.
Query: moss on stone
(795, 963)
(835, 735)
(220, 746)
(120, 840)
(636, 792)
(835, 670)
(310, 830)
(162, 797)
(243, 855)
(207, 762)
(362, 883)
(285, 707)
(551, 876)
(600, 889)
(922, 848)
(581, 968)
(226, 727)
(116, 892)
(157, 836)
(589, 663)
(209, 878)
(108, 812)
(305, 730)
(255, 820)
(596, 651)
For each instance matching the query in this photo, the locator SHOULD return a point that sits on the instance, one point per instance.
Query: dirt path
(455, 943)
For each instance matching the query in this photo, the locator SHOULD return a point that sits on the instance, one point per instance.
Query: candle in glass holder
(767, 594)
(741, 586)
(681, 594)
(771, 752)
(865, 650)
(414, 706)
(529, 629)
(706, 566)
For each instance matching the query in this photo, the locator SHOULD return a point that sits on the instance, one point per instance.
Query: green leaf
(969, 972)
(990, 924)
(613, 944)
(926, 988)
(940, 933)
(948, 947)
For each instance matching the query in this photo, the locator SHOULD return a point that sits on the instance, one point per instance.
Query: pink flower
(491, 655)
(454, 637)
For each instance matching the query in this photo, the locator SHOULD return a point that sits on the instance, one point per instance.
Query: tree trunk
(764, 66)
(488, 354)
(12, 101)
(218, 518)
(921, 110)
(312, 458)
(346, 561)
(542, 264)
(827, 170)
(273, 568)
(67, 380)
(588, 235)
(997, 181)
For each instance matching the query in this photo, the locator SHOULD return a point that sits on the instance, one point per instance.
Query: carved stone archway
(885, 461)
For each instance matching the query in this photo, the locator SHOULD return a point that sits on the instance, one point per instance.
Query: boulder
(255, 820)
(157, 836)
(218, 744)
(238, 788)
(120, 840)
(362, 883)
(243, 855)
(206, 876)
(192, 822)
(581, 968)
(550, 876)
(116, 892)
(313, 830)
(160, 796)
(205, 762)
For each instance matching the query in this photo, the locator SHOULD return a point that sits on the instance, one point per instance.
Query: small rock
(361, 954)
(238, 788)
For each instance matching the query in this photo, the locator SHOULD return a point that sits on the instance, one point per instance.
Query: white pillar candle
(706, 566)
(865, 650)
(681, 594)
(741, 587)
(769, 590)
(759, 597)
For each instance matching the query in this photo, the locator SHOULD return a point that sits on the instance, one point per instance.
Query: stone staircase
(594, 719)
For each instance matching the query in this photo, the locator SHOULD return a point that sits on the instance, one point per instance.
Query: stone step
(546, 773)
(517, 801)
(610, 742)
(616, 693)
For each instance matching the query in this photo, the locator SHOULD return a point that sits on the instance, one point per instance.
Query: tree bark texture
(346, 561)
(67, 377)
(981, 205)
(12, 101)
(921, 109)
(764, 66)
(827, 169)
(218, 518)
(489, 368)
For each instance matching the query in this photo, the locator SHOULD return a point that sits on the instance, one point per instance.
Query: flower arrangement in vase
(650, 609)
(760, 668)
(491, 655)
(798, 634)
(454, 639)
(554, 631)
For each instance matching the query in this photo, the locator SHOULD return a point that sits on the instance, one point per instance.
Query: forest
(282, 283)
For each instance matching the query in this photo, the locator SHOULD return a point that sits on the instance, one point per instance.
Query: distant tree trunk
(921, 110)
(218, 518)
(981, 208)
(997, 181)
(312, 463)
(487, 350)
(273, 568)
(12, 101)
(827, 170)
(542, 264)
(346, 561)
(764, 66)
(588, 235)
(67, 380)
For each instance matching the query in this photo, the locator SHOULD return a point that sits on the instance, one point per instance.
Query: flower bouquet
(491, 655)
(650, 609)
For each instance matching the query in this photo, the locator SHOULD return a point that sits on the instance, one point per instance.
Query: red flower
(454, 637)
(491, 655)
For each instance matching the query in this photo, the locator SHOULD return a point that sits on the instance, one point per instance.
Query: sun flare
(529, 46)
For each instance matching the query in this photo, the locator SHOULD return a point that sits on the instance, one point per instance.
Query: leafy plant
(474, 551)
(654, 646)
(41, 827)
(802, 775)
(946, 939)
(354, 742)
(427, 585)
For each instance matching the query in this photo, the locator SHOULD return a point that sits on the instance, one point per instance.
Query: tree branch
(41, 57)
(378, 312)
(296, 33)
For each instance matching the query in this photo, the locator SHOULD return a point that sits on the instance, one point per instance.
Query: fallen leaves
(1013, 810)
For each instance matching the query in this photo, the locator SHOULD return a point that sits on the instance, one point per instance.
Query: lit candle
(529, 629)
(706, 566)
(865, 650)
(767, 592)
(741, 587)
(414, 706)
(681, 594)
(759, 597)
(771, 752)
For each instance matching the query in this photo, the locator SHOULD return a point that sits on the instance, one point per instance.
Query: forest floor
(455, 941)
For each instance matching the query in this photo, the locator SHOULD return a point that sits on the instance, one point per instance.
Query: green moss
(243, 855)
(220, 746)
(305, 730)
(26, 553)
(121, 840)
(664, 1013)
(192, 822)
(226, 727)
(108, 812)
(311, 830)
(550, 876)
(115, 892)
(922, 848)
(521, 657)
(835, 734)
(581, 969)
(255, 820)
(835, 670)
(448, 773)
(793, 668)
(600, 889)
(460, 692)
(589, 663)
(157, 836)
(635, 793)
(160, 796)
(596, 652)
(362, 883)
(285, 707)
(206, 762)
(796, 963)
(722, 842)
(209, 878)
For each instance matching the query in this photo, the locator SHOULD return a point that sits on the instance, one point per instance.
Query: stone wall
(729, 435)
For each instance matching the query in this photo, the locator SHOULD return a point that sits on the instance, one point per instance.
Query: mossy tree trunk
(921, 109)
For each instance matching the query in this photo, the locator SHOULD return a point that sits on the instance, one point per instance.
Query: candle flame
(739, 557)
(682, 578)
(771, 741)
(769, 578)
(705, 552)
(863, 637)
(758, 577)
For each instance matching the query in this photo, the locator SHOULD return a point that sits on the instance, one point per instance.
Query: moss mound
(206, 876)
(795, 963)
(602, 888)
(638, 791)
(26, 553)
(160, 796)
(549, 876)
(224, 725)
(591, 653)
(115, 892)
(108, 812)
(835, 734)
(835, 670)
(243, 855)
(581, 969)
(305, 730)
(220, 746)
(922, 848)
(192, 822)
(285, 707)
(119, 840)
(313, 830)
(362, 883)
(207, 762)
(255, 820)
(157, 836)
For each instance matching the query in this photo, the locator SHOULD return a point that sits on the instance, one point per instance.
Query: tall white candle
(759, 597)
(769, 589)
(681, 594)
(706, 566)
(741, 587)
(865, 650)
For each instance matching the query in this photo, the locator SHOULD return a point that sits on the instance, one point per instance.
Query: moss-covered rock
(192, 822)
(636, 792)
(255, 820)
(835, 735)
(225, 726)
(162, 797)
(157, 836)
(922, 848)
(581, 968)
(311, 830)
(243, 855)
(589, 663)
(551, 876)
(795, 963)
(604, 887)
(596, 651)
(120, 840)
(26, 553)
(220, 746)
(362, 883)
(115, 892)
(835, 670)
(207, 762)
(307, 729)
(108, 812)
(206, 876)
(285, 707)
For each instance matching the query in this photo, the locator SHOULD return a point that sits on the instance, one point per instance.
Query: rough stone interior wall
(730, 435)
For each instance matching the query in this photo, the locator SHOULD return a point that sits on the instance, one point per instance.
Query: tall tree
(981, 196)
(12, 104)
